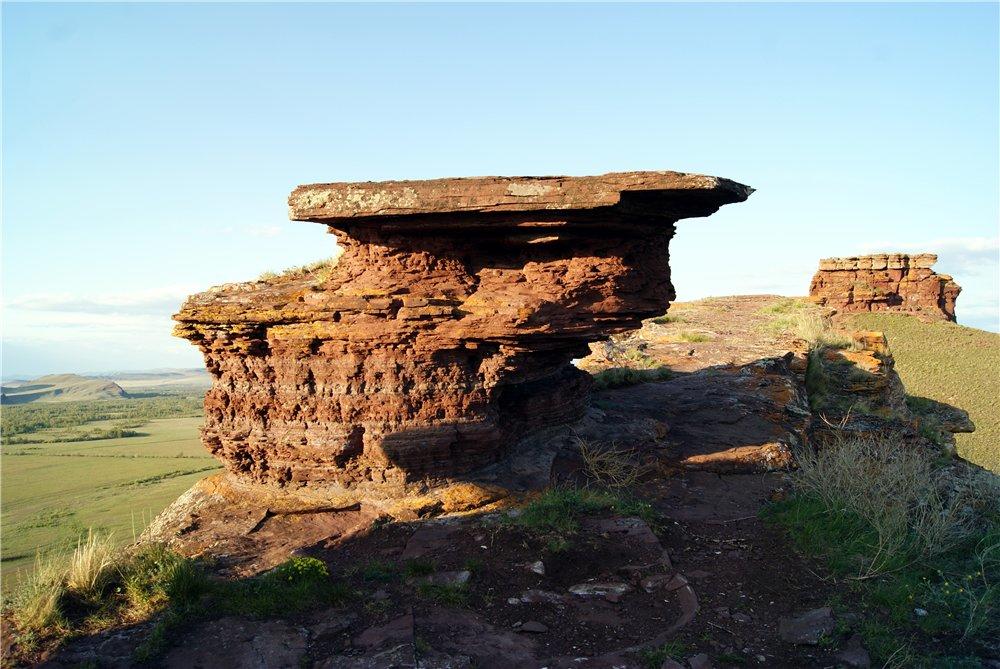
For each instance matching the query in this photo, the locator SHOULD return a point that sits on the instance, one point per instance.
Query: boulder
(807, 628)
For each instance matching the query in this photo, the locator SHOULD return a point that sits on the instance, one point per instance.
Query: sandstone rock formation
(894, 282)
(445, 331)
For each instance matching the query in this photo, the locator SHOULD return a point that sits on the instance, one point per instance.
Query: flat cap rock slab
(445, 332)
(659, 194)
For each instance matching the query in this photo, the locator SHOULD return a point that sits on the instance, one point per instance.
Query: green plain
(54, 492)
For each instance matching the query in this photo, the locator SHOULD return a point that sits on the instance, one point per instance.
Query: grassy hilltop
(949, 363)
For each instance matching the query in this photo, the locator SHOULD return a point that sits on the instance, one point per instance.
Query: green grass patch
(653, 658)
(801, 319)
(788, 305)
(419, 567)
(445, 595)
(99, 587)
(53, 492)
(560, 509)
(298, 584)
(321, 269)
(555, 515)
(380, 571)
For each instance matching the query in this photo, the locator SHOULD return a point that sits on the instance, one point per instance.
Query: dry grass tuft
(321, 269)
(804, 320)
(91, 565)
(914, 509)
(688, 336)
(817, 331)
(609, 466)
(35, 607)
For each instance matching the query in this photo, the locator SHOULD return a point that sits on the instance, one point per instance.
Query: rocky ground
(686, 574)
(708, 580)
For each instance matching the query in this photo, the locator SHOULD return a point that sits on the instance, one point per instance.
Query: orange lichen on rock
(446, 330)
(893, 282)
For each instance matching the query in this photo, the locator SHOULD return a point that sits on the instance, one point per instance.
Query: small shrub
(907, 534)
(893, 490)
(298, 569)
(970, 598)
(667, 318)
(321, 268)
(295, 585)
(618, 377)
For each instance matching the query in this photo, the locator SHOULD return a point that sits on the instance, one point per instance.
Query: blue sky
(148, 149)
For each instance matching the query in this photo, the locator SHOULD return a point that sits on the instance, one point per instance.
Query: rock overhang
(445, 332)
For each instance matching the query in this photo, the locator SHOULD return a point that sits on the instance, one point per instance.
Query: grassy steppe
(54, 492)
(953, 364)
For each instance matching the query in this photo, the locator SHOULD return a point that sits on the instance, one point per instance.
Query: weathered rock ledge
(444, 334)
(893, 282)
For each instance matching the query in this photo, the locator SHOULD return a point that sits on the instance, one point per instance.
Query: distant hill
(60, 388)
(160, 379)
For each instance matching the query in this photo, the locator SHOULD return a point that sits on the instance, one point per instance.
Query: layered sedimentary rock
(446, 330)
(894, 282)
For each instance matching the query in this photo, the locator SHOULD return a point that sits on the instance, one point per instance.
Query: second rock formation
(892, 282)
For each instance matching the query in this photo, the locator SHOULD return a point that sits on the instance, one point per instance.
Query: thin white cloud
(155, 301)
(56, 326)
(955, 254)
